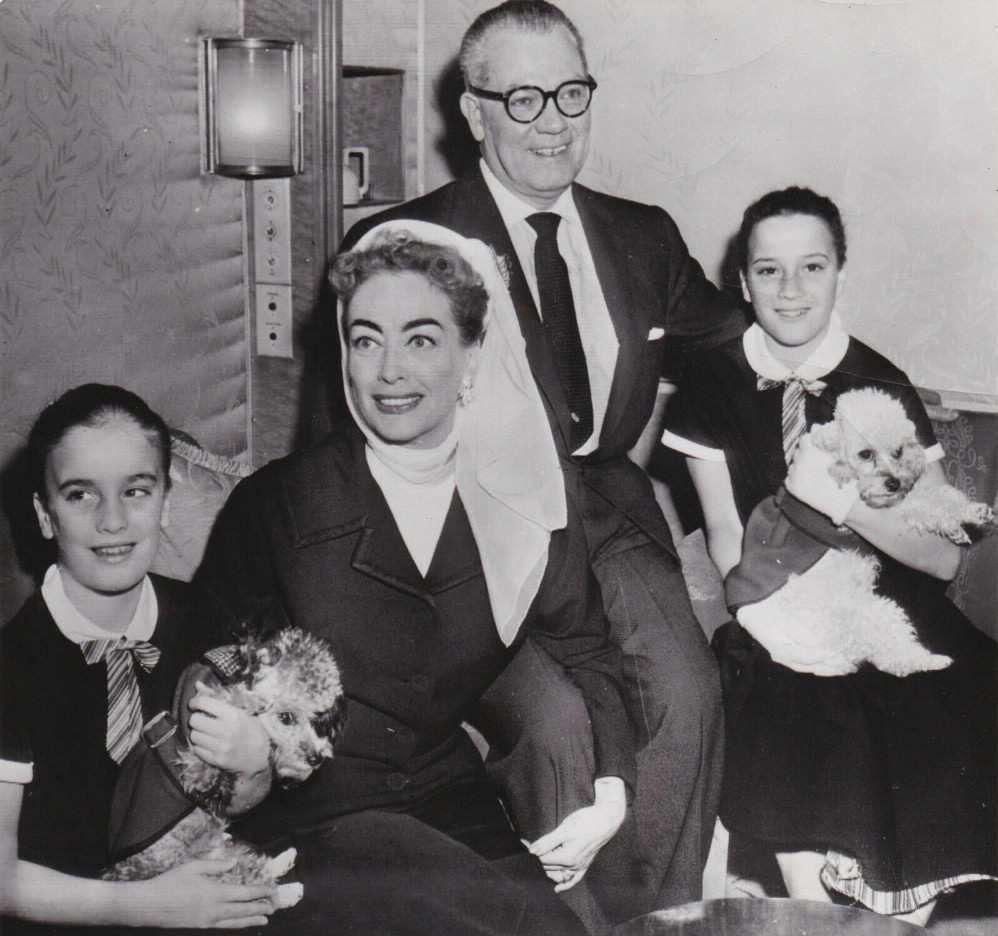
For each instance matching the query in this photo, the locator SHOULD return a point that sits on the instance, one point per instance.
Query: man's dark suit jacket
(661, 305)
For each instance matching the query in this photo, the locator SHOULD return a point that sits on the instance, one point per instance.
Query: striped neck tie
(124, 709)
(794, 415)
(561, 328)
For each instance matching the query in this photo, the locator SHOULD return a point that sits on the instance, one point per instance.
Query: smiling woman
(412, 330)
(427, 542)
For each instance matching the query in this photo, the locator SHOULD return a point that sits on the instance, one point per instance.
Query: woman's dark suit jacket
(309, 540)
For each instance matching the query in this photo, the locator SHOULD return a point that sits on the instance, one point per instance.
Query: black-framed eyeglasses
(526, 103)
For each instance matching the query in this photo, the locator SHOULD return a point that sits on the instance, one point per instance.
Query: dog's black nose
(892, 485)
(314, 759)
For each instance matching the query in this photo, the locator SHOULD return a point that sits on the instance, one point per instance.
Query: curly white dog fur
(829, 619)
(292, 684)
(874, 444)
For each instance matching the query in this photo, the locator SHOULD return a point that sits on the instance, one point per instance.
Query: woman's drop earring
(465, 394)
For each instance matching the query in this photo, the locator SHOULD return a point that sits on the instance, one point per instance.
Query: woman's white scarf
(506, 467)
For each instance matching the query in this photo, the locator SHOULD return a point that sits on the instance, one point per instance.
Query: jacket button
(397, 781)
(419, 684)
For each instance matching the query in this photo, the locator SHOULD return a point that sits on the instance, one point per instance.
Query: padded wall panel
(119, 262)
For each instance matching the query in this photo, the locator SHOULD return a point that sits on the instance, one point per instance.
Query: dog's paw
(287, 895)
(281, 864)
(979, 514)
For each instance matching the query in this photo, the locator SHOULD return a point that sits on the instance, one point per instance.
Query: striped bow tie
(794, 416)
(124, 708)
(814, 387)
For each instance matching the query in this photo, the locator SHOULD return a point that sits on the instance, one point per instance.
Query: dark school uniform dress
(898, 773)
(53, 715)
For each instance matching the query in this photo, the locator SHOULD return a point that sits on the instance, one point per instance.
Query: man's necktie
(124, 709)
(561, 329)
(794, 417)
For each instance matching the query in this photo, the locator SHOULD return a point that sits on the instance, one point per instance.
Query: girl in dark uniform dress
(101, 462)
(878, 787)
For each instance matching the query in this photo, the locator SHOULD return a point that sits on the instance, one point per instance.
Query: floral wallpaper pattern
(119, 263)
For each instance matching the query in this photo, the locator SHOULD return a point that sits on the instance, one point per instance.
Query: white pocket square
(656, 333)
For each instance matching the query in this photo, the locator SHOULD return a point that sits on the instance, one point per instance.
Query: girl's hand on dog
(207, 902)
(569, 850)
(227, 737)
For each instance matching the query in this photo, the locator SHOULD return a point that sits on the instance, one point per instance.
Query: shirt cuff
(693, 449)
(16, 772)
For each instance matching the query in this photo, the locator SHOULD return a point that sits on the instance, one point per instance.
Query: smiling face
(792, 280)
(105, 505)
(405, 359)
(539, 160)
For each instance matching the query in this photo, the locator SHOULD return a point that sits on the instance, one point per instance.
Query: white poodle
(829, 619)
(874, 444)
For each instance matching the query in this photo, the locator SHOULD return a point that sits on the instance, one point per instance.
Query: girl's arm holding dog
(886, 529)
(33, 892)
(231, 739)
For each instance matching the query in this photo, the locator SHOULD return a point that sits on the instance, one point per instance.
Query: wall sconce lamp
(251, 115)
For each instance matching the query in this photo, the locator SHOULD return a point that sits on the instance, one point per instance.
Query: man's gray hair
(530, 15)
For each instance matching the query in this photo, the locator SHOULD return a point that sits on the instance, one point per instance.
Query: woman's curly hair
(443, 267)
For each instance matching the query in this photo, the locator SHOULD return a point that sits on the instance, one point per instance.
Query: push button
(397, 782)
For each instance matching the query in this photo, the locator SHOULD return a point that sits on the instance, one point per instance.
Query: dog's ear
(330, 724)
(912, 460)
(827, 436)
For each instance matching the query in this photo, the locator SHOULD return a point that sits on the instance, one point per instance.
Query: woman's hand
(227, 737)
(810, 481)
(568, 851)
(191, 896)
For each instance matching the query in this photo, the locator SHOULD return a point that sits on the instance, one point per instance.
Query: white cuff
(16, 772)
(693, 449)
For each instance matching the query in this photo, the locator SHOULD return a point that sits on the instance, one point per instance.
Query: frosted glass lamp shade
(252, 118)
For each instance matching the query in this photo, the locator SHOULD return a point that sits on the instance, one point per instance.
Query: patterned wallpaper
(704, 105)
(118, 262)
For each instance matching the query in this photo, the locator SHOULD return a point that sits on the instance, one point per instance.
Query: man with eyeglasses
(606, 292)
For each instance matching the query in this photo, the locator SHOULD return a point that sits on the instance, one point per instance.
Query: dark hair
(530, 15)
(92, 405)
(443, 267)
(791, 201)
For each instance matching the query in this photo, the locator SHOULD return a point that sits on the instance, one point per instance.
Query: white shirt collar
(514, 209)
(77, 628)
(822, 360)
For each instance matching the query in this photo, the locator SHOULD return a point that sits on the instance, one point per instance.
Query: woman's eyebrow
(421, 323)
(365, 323)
